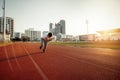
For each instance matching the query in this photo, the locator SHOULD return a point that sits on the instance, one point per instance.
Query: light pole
(4, 22)
(87, 25)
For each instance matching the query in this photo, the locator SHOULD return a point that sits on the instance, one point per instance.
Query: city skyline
(58, 27)
(38, 14)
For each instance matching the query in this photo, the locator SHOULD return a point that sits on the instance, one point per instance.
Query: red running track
(25, 61)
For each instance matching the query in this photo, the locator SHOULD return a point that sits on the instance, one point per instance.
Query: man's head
(49, 34)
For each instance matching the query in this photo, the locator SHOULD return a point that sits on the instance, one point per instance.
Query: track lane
(14, 54)
(35, 64)
(91, 56)
(6, 53)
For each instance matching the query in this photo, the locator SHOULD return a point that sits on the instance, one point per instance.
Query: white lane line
(13, 50)
(36, 65)
(9, 63)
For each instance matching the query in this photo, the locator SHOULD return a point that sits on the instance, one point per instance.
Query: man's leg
(45, 45)
(41, 44)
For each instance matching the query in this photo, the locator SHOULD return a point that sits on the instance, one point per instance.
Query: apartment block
(32, 34)
(9, 26)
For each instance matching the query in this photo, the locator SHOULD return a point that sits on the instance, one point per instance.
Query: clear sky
(37, 14)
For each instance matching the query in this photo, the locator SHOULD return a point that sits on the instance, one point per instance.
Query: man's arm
(49, 39)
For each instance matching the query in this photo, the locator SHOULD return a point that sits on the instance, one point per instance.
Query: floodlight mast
(87, 25)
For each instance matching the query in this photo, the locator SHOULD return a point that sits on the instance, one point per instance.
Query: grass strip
(93, 44)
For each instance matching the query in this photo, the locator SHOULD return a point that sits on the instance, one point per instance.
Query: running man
(45, 39)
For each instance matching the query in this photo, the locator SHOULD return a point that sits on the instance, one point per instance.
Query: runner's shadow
(20, 56)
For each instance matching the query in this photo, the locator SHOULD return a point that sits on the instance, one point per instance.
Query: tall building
(28, 32)
(62, 24)
(35, 35)
(9, 25)
(50, 27)
(58, 28)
